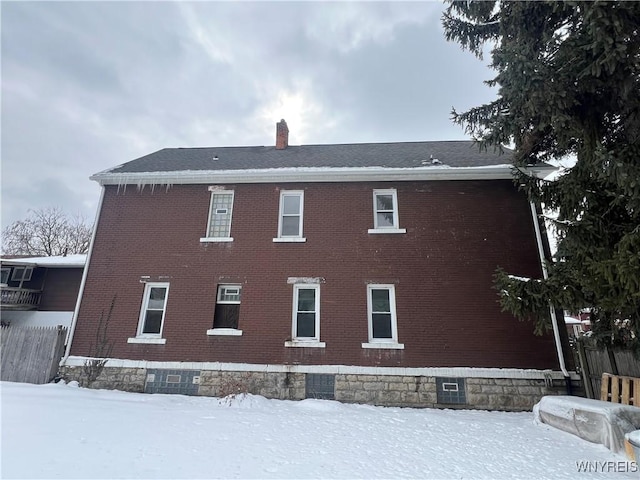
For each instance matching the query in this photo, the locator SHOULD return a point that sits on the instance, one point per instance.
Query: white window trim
(387, 230)
(291, 238)
(26, 275)
(150, 340)
(145, 337)
(228, 302)
(385, 346)
(215, 239)
(389, 343)
(294, 324)
(396, 219)
(225, 332)
(215, 192)
(303, 344)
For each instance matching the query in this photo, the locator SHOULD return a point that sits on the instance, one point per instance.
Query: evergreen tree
(568, 79)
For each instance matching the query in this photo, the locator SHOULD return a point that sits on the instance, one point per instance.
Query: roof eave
(289, 175)
(74, 261)
(25, 263)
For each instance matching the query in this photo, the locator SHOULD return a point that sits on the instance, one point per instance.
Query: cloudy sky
(90, 85)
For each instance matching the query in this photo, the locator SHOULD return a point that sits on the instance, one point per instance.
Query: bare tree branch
(47, 232)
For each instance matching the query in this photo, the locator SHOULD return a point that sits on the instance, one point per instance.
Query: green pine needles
(568, 79)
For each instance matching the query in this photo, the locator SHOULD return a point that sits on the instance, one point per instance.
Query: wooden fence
(31, 354)
(620, 389)
(594, 362)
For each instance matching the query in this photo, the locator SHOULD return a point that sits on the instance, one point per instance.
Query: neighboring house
(360, 272)
(40, 291)
(574, 326)
(578, 323)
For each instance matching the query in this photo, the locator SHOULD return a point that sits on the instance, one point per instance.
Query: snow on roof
(571, 321)
(77, 260)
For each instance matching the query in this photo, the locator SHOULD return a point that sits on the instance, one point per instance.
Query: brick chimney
(282, 135)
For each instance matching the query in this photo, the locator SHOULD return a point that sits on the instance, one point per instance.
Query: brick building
(360, 272)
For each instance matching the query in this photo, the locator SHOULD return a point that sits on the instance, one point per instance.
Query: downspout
(83, 282)
(545, 275)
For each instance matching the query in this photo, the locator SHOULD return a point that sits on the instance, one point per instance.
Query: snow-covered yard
(62, 431)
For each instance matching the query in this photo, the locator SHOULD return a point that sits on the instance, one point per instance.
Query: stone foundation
(125, 379)
(283, 386)
(511, 394)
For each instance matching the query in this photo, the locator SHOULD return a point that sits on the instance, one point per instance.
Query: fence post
(612, 360)
(584, 369)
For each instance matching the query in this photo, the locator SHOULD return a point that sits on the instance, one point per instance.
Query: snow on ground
(62, 431)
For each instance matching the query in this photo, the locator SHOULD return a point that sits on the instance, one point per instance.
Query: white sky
(90, 85)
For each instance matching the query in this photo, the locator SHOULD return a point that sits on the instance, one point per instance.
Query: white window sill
(387, 230)
(301, 343)
(216, 239)
(157, 341)
(384, 345)
(289, 240)
(224, 331)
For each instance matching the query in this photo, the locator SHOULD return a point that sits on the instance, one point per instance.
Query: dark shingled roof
(392, 155)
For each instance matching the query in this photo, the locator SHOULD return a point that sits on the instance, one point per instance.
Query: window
(22, 274)
(385, 212)
(4, 278)
(219, 227)
(306, 316)
(225, 318)
(381, 306)
(152, 313)
(290, 217)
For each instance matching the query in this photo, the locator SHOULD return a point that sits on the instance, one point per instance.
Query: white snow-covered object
(633, 445)
(592, 420)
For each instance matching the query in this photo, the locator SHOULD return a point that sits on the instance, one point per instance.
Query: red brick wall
(60, 289)
(458, 232)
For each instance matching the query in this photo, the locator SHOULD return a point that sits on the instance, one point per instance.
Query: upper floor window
(227, 311)
(4, 278)
(154, 305)
(381, 309)
(385, 212)
(219, 226)
(21, 274)
(290, 216)
(306, 316)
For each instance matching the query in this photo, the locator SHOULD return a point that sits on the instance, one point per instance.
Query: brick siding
(458, 233)
(60, 291)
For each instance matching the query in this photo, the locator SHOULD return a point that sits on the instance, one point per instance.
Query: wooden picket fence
(30, 354)
(620, 389)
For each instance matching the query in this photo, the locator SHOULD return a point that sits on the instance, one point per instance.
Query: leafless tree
(47, 232)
